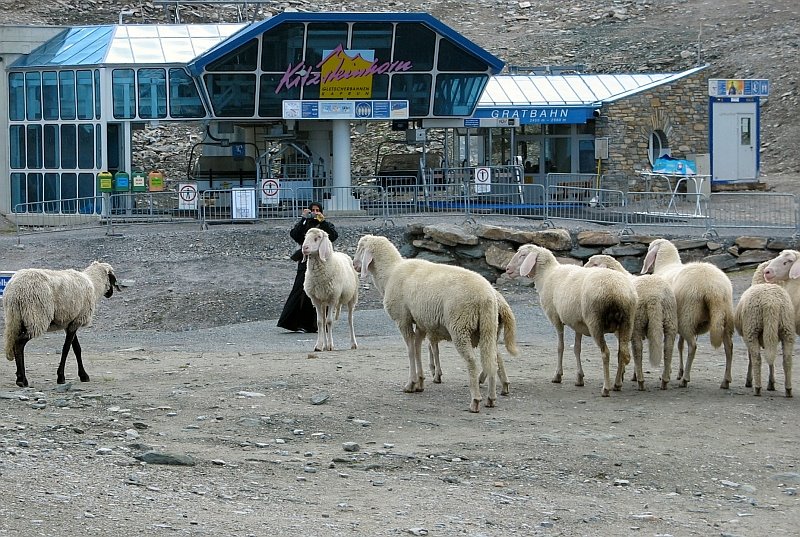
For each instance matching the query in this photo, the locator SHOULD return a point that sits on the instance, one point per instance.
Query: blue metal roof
(130, 44)
(198, 65)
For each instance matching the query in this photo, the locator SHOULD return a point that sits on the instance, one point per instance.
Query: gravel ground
(203, 418)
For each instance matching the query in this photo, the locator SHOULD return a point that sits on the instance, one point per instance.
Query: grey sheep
(43, 300)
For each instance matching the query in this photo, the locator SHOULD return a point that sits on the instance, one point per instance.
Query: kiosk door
(734, 142)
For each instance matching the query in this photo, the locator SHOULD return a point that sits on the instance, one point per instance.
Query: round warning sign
(187, 196)
(269, 191)
(483, 179)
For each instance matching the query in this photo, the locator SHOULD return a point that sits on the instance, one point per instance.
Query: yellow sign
(345, 76)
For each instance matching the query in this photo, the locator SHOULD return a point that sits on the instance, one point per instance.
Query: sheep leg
(464, 348)
(501, 372)
(330, 311)
(748, 381)
(320, 344)
(19, 358)
(579, 377)
(727, 341)
(787, 365)
(560, 367)
(669, 344)
(771, 379)
(691, 345)
(601, 342)
(680, 358)
(350, 308)
(435, 365)
(638, 372)
(755, 352)
(71, 341)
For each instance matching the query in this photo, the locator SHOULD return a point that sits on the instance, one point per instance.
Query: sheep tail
(655, 333)
(487, 331)
(12, 330)
(720, 321)
(509, 325)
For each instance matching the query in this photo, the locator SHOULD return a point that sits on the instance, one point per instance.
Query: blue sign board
(527, 115)
(4, 278)
(330, 109)
(738, 87)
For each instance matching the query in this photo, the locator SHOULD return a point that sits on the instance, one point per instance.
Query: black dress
(298, 312)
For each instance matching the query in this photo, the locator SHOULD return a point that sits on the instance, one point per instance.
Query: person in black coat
(298, 313)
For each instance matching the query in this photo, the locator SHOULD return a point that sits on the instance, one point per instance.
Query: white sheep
(656, 318)
(441, 302)
(765, 317)
(591, 302)
(785, 270)
(330, 283)
(506, 322)
(705, 303)
(43, 300)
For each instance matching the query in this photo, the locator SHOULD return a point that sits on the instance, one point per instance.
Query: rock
(319, 398)
(597, 238)
(168, 459)
(751, 243)
(350, 447)
(450, 235)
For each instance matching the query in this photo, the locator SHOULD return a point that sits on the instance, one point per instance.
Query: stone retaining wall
(487, 249)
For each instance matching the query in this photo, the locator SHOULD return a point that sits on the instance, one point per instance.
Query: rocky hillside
(738, 38)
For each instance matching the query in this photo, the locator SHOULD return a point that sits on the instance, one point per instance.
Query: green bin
(139, 182)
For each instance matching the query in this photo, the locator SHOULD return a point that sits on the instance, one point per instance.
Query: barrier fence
(563, 198)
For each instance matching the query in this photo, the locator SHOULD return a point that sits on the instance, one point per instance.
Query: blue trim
(198, 65)
(530, 115)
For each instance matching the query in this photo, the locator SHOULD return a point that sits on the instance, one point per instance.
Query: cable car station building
(278, 99)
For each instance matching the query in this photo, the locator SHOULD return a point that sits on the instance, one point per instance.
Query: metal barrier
(667, 209)
(598, 205)
(510, 199)
(748, 211)
(61, 215)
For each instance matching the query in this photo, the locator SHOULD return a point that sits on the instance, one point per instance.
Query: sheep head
(317, 241)
(523, 261)
(111, 279)
(600, 260)
(784, 267)
(652, 254)
(363, 255)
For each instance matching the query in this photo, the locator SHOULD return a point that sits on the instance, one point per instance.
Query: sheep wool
(591, 301)
(330, 283)
(437, 301)
(656, 318)
(43, 300)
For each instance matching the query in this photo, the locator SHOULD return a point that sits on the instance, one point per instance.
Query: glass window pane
(86, 146)
(324, 37)
(269, 102)
(51, 147)
(17, 139)
(69, 191)
(232, 95)
(244, 58)
(380, 86)
(35, 150)
(66, 83)
(51, 192)
(50, 95)
(453, 58)
(88, 203)
(33, 96)
(69, 147)
(586, 162)
(152, 93)
(97, 94)
(457, 95)
(375, 36)
(416, 89)
(98, 145)
(282, 47)
(16, 96)
(85, 91)
(184, 100)
(415, 43)
(18, 193)
(34, 188)
(124, 93)
(557, 155)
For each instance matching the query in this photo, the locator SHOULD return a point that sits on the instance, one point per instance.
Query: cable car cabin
(217, 173)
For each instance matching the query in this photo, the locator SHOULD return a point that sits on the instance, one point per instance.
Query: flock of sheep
(436, 302)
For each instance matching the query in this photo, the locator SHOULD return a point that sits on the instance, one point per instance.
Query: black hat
(318, 204)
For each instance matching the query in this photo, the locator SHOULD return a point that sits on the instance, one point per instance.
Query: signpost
(269, 191)
(187, 197)
(483, 180)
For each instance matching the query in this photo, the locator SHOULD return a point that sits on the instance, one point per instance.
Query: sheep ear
(325, 249)
(794, 271)
(366, 259)
(527, 264)
(649, 259)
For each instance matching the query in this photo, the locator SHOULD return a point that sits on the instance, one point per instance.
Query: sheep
(705, 303)
(442, 302)
(43, 300)
(785, 270)
(507, 322)
(330, 282)
(592, 302)
(656, 318)
(763, 318)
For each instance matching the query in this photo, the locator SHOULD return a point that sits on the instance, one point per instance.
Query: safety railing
(748, 211)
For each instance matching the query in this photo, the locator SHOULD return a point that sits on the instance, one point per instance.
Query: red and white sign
(270, 190)
(187, 196)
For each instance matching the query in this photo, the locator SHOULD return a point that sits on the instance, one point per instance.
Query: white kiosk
(735, 128)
